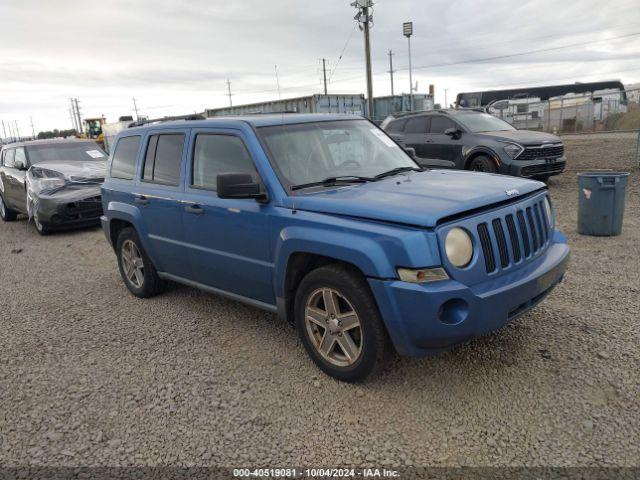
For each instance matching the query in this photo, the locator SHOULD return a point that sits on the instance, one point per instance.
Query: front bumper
(73, 209)
(424, 319)
(541, 167)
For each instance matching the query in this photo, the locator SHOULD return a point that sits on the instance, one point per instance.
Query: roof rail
(192, 116)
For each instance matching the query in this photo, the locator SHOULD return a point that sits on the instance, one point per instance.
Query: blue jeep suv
(325, 220)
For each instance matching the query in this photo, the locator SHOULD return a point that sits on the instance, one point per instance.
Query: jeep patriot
(328, 222)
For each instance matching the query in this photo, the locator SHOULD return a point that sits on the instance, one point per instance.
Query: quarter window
(123, 164)
(164, 159)
(215, 154)
(416, 125)
(440, 124)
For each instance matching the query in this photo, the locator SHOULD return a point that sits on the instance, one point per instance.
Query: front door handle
(141, 199)
(195, 209)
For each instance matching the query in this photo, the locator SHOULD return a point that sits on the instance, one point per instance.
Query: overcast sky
(175, 56)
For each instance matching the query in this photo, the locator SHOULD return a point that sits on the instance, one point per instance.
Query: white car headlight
(548, 211)
(459, 247)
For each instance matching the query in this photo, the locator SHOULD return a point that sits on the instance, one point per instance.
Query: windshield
(311, 152)
(71, 151)
(482, 122)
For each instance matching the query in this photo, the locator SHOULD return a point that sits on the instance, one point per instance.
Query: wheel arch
(480, 151)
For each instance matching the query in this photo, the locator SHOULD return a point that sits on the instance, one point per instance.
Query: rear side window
(215, 154)
(164, 159)
(440, 124)
(8, 158)
(20, 156)
(416, 125)
(123, 164)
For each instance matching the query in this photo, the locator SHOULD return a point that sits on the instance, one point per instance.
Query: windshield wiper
(331, 181)
(395, 171)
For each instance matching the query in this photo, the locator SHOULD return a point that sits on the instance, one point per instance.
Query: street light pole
(364, 18)
(407, 30)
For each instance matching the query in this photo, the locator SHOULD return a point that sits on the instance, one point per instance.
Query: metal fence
(608, 121)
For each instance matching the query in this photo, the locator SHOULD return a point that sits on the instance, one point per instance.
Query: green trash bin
(601, 202)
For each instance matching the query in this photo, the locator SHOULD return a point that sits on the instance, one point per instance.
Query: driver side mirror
(19, 164)
(453, 133)
(239, 185)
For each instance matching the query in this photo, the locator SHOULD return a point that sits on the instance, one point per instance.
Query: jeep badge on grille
(512, 192)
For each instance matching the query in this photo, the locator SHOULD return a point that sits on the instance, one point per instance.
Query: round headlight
(459, 247)
(547, 209)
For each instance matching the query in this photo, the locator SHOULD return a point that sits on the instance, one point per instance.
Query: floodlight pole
(407, 29)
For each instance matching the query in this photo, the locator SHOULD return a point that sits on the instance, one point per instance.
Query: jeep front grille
(521, 240)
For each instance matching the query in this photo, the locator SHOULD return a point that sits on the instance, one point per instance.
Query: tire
(40, 228)
(144, 282)
(482, 163)
(6, 213)
(366, 342)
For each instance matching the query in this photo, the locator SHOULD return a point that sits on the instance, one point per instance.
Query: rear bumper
(424, 319)
(542, 167)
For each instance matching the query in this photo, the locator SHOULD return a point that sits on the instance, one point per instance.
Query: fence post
(638, 149)
(561, 114)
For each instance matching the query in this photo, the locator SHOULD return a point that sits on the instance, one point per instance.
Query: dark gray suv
(474, 140)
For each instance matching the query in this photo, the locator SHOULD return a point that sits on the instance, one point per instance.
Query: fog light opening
(453, 312)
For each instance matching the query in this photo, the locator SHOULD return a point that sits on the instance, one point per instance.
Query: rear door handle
(195, 209)
(142, 200)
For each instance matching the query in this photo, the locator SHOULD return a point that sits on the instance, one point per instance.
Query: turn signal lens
(459, 247)
(422, 275)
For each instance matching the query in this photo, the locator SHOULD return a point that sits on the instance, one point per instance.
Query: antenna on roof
(278, 83)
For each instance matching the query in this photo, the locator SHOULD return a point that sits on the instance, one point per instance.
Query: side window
(20, 157)
(123, 164)
(8, 159)
(164, 159)
(214, 154)
(440, 124)
(396, 126)
(416, 125)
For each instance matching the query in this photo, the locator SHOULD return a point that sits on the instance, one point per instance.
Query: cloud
(175, 56)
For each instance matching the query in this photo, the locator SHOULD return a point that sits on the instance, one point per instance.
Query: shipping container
(346, 104)
(393, 104)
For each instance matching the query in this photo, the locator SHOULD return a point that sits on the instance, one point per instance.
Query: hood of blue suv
(417, 198)
(523, 137)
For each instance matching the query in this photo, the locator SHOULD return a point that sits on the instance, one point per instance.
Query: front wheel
(339, 324)
(482, 163)
(6, 213)
(40, 228)
(136, 269)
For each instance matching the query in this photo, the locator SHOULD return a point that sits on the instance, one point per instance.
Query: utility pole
(135, 108)
(324, 74)
(78, 115)
(391, 70)
(17, 129)
(33, 131)
(446, 104)
(407, 30)
(364, 18)
(229, 94)
(4, 131)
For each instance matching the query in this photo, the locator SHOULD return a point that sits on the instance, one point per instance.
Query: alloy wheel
(132, 263)
(334, 327)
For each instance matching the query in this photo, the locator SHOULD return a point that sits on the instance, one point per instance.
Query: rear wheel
(6, 213)
(339, 324)
(482, 163)
(136, 269)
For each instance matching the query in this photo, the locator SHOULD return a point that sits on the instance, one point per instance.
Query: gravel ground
(90, 375)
